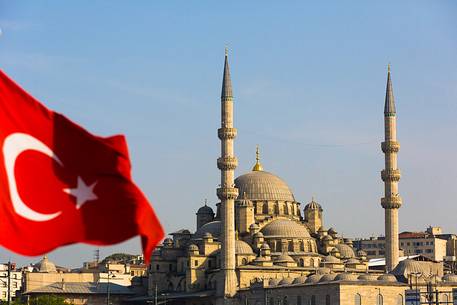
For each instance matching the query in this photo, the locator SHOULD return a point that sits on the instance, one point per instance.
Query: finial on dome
(388, 67)
(257, 166)
(206, 202)
(226, 51)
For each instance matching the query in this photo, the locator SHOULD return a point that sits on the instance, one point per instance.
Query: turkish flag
(60, 185)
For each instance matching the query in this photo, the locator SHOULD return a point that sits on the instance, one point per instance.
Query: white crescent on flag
(13, 146)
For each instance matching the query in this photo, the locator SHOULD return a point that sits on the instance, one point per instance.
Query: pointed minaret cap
(226, 82)
(389, 107)
(257, 167)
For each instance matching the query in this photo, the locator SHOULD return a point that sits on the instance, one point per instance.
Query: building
(431, 243)
(11, 285)
(262, 246)
(87, 287)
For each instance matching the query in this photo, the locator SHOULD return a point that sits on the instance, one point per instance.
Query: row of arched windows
(379, 299)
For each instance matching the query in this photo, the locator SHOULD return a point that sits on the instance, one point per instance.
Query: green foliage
(118, 257)
(48, 300)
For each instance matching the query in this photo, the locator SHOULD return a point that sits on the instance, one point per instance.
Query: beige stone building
(263, 246)
(15, 281)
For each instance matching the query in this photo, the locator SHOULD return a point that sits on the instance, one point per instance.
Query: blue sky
(309, 83)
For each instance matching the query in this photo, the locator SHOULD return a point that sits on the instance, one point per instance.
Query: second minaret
(391, 201)
(227, 192)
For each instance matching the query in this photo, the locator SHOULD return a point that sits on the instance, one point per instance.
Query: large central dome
(261, 185)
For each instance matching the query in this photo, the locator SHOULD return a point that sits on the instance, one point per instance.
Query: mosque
(262, 246)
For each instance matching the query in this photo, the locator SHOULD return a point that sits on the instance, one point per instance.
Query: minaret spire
(227, 193)
(391, 201)
(257, 166)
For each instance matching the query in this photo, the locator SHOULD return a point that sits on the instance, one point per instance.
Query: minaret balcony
(226, 133)
(392, 202)
(225, 193)
(227, 163)
(388, 175)
(390, 147)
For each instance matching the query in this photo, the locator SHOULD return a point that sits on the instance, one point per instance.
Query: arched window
(286, 208)
(244, 261)
(299, 300)
(265, 208)
(379, 300)
(301, 262)
(445, 298)
(302, 246)
(170, 287)
(357, 299)
(285, 302)
(277, 208)
(291, 246)
(399, 299)
(327, 299)
(278, 246)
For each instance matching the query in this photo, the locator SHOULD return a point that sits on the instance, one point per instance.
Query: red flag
(60, 185)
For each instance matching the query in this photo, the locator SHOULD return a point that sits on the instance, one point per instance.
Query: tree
(48, 300)
(118, 257)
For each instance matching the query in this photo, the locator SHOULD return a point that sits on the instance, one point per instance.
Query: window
(291, 246)
(196, 263)
(357, 299)
(301, 262)
(14, 284)
(299, 300)
(327, 299)
(379, 300)
(272, 301)
(313, 300)
(157, 267)
(170, 267)
(210, 264)
(399, 299)
(285, 302)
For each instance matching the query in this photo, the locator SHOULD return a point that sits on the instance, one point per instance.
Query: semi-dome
(284, 258)
(313, 279)
(346, 277)
(261, 185)
(345, 251)
(213, 227)
(286, 281)
(368, 277)
(285, 228)
(328, 277)
(243, 248)
(300, 279)
(408, 266)
(387, 278)
(329, 259)
(45, 265)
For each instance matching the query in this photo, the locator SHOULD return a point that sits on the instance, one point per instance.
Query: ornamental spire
(389, 107)
(257, 167)
(226, 82)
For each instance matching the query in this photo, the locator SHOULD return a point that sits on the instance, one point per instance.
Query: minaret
(227, 192)
(390, 175)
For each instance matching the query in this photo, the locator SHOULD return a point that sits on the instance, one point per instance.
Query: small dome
(328, 277)
(300, 279)
(192, 247)
(265, 246)
(285, 228)
(329, 259)
(346, 277)
(242, 247)
(261, 185)
(286, 281)
(387, 278)
(327, 238)
(46, 266)
(313, 279)
(345, 251)
(321, 230)
(205, 210)
(258, 235)
(284, 258)
(332, 231)
(168, 242)
(353, 261)
(450, 278)
(313, 205)
(207, 235)
(213, 227)
(273, 282)
(361, 253)
(368, 277)
(253, 226)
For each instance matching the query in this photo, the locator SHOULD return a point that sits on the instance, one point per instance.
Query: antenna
(97, 255)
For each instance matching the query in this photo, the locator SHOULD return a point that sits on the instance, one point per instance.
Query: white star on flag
(82, 192)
